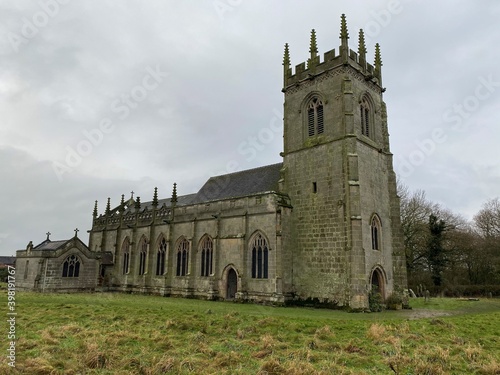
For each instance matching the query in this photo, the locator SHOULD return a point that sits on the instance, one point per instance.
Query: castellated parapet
(346, 57)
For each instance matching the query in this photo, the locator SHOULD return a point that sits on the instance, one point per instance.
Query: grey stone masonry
(42, 268)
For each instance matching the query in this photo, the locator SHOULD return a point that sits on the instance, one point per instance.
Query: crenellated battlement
(332, 60)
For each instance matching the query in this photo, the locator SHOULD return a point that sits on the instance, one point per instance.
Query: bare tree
(487, 220)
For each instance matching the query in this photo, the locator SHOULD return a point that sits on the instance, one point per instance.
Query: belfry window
(315, 121)
(71, 266)
(182, 258)
(160, 257)
(207, 255)
(260, 257)
(375, 232)
(366, 126)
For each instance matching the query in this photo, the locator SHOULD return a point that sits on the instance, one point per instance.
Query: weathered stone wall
(337, 181)
(315, 181)
(43, 270)
(231, 224)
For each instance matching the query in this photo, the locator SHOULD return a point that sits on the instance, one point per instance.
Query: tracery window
(260, 257)
(207, 255)
(71, 266)
(315, 121)
(160, 257)
(182, 258)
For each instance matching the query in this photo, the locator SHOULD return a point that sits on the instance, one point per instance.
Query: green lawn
(135, 334)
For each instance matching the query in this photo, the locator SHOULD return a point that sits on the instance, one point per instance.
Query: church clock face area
(321, 225)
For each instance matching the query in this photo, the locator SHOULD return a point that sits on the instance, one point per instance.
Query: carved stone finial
(344, 35)
(174, 194)
(362, 50)
(361, 44)
(286, 65)
(108, 206)
(286, 58)
(76, 232)
(378, 58)
(48, 235)
(155, 197)
(378, 64)
(95, 210)
(122, 201)
(138, 203)
(313, 50)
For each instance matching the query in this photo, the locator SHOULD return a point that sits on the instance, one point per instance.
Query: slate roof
(7, 260)
(233, 185)
(50, 245)
(240, 184)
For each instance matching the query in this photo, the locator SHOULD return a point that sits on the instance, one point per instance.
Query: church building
(323, 225)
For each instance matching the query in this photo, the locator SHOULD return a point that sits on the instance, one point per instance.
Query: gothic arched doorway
(377, 282)
(232, 284)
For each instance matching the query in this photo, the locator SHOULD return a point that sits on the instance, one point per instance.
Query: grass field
(135, 334)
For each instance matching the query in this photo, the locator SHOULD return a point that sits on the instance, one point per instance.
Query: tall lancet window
(182, 258)
(260, 257)
(207, 256)
(126, 256)
(376, 232)
(143, 252)
(315, 121)
(160, 257)
(366, 122)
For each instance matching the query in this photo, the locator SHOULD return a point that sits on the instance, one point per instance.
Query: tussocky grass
(106, 333)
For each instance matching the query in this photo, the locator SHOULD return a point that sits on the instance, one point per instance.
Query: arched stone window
(260, 257)
(71, 266)
(207, 256)
(376, 232)
(182, 258)
(366, 117)
(143, 254)
(315, 121)
(160, 257)
(126, 256)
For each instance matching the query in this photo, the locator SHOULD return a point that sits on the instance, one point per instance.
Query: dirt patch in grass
(425, 313)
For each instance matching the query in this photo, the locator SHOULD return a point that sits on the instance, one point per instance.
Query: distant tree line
(445, 253)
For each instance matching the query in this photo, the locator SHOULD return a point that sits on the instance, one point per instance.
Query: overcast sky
(99, 98)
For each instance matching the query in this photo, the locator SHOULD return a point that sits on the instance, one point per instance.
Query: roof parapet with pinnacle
(332, 60)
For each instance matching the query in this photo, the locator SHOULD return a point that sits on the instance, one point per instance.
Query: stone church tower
(344, 235)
